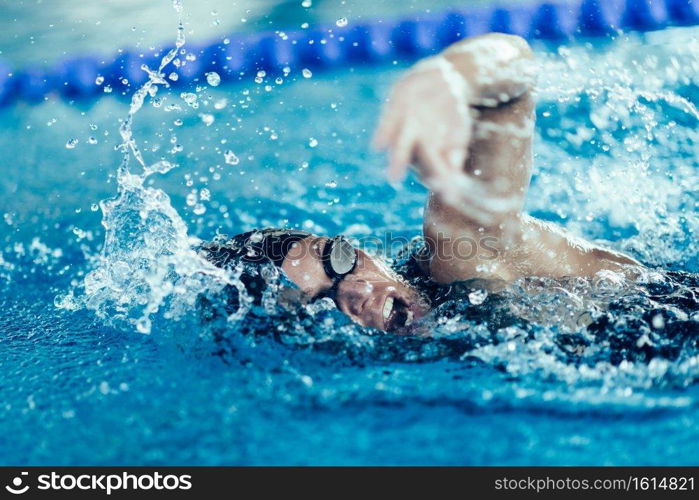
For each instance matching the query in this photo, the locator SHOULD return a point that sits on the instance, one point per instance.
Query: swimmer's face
(371, 294)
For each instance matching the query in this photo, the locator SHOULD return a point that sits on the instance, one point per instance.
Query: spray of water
(148, 263)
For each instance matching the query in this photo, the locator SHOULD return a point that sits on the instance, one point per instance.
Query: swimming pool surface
(616, 161)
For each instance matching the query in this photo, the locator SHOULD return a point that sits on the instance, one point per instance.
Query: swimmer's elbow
(499, 67)
(517, 71)
(519, 45)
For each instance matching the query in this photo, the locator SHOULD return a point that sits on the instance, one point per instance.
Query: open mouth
(396, 314)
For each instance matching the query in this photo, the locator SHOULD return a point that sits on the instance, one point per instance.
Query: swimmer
(464, 120)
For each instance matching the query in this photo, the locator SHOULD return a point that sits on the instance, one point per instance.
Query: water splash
(148, 263)
(625, 124)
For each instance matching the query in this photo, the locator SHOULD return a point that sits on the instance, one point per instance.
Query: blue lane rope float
(369, 42)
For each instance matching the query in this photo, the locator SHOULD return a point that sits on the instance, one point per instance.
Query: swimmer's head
(361, 286)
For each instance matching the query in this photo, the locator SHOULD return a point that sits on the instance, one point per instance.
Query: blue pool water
(616, 160)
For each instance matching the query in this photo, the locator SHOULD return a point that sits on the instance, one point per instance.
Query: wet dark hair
(261, 246)
(257, 255)
(255, 250)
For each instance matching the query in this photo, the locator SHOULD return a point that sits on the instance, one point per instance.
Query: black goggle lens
(339, 258)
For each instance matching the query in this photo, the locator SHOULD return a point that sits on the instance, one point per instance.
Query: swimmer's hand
(427, 121)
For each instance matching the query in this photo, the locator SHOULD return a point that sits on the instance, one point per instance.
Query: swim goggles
(339, 257)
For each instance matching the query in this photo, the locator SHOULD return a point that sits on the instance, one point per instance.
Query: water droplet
(331, 184)
(313, 142)
(213, 79)
(658, 321)
(199, 209)
(173, 76)
(207, 118)
(230, 157)
(306, 73)
(94, 207)
(160, 167)
(306, 3)
(143, 325)
(99, 80)
(107, 89)
(92, 140)
(191, 99)
(71, 143)
(342, 22)
(477, 297)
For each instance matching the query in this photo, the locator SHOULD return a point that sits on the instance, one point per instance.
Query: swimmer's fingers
(455, 141)
(445, 150)
(470, 206)
(401, 153)
(433, 167)
(489, 200)
(386, 130)
(392, 116)
(470, 195)
(456, 144)
(454, 157)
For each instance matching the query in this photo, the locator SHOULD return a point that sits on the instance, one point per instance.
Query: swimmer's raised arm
(465, 120)
(429, 117)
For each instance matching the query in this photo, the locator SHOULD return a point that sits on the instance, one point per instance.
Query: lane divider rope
(369, 42)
